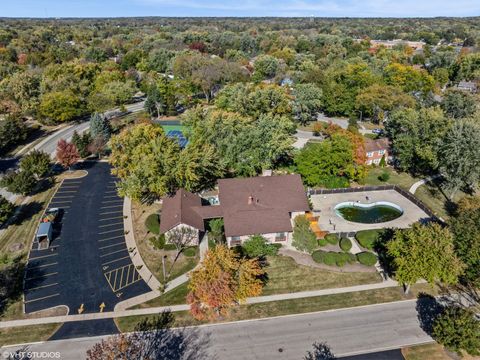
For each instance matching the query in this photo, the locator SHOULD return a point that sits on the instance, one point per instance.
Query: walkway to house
(419, 183)
(183, 307)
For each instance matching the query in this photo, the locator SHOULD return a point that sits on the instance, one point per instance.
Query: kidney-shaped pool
(377, 212)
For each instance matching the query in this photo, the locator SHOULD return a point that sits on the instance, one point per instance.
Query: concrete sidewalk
(184, 307)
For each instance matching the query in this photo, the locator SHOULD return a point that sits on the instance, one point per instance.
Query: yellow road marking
(42, 298)
(112, 261)
(41, 287)
(113, 252)
(124, 280)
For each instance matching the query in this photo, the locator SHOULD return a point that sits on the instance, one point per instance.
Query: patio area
(329, 220)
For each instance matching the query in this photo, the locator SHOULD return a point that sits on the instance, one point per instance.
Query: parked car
(377, 131)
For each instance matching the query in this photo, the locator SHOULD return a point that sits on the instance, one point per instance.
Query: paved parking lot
(87, 264)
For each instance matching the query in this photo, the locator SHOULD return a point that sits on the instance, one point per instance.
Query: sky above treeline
(247, 8)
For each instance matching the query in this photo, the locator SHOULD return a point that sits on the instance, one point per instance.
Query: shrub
(330, 258)
(6, 209)
(366, 258)
(303, 237)
(158, 242)
(345, 244)
(322, 242)
(22, 182)
(385, 176)
(152, 222)
(367, 238)
(169, 247)
(332, 239)
(277, 245)
(257, 246)
(318, 256)
(190, 251)
(341, 259)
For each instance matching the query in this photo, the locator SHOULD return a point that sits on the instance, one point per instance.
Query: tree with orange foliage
(67, 153)
(223, 280)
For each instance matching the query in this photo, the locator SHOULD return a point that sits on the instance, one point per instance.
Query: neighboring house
(469, 86)
(264, 205)
(375, 150)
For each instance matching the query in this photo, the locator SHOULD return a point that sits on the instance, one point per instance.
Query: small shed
(44, 235)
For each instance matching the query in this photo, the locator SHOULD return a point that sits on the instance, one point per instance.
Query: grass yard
(175, 297)
(432, 195)
(152, 256)
(21, 335)
(402, 179)
(432, 351)
(295, 306)
(286, 276)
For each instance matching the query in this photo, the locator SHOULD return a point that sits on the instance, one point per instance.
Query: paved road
(347, 332)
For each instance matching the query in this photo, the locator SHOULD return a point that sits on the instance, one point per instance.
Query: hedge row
(332, 258)
(340, 259)
(345, 244)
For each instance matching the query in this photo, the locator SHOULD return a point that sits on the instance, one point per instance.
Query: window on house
(235, 240)
(280, 236)
(381, 152)
(370, 154)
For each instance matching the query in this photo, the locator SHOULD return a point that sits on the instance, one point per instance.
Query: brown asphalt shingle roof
(268, 209)
(257, 205)
(375, 145)
(180, 209)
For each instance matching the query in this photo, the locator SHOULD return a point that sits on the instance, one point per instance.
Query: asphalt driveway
(87, 265)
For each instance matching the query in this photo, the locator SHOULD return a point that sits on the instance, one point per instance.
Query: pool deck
(323, 205)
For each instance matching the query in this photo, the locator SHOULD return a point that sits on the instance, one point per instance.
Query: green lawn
(295, 306)
(175, 297)
(432, 351)
(286, 276)
(432, 195)
(22, 334)
(402, 179)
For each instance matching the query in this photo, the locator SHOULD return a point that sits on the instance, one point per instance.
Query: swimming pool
(373, 213)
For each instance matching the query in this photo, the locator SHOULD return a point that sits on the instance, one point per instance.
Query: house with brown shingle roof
(263, 205)
(375, 150)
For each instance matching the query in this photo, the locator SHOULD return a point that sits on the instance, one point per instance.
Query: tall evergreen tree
(99, 126)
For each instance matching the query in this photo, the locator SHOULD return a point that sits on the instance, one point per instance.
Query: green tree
(303, 237)
(217, 231)
(266, 67)
(61, 106)
(465, 226)
(415, 136)
(6, 209)
(307, 103)
(82, 142)
(100, 127)
(460, 153)
(424, 252)
(458, 330)
(458, 104)
(257, 246)
(409, 79)
(22, 182)
(377, 100)
(36, 163)
(144, 159)
(329, 163)
(12, 131)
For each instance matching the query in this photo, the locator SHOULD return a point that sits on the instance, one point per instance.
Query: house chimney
(250, 200)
